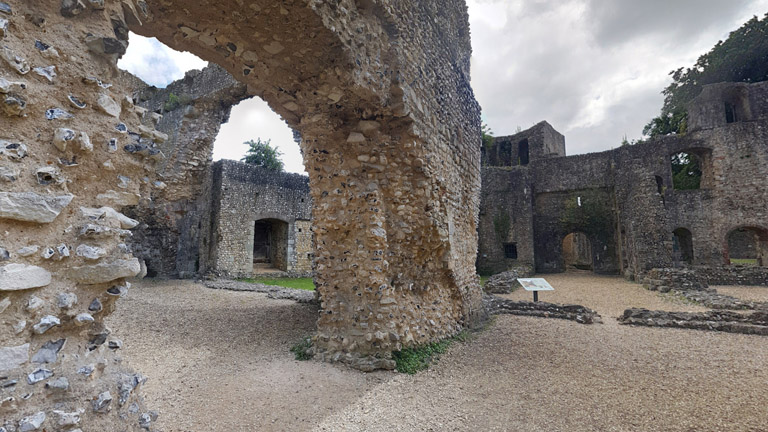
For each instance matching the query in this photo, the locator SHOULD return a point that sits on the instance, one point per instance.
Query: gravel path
(749, 293)
(231, 369)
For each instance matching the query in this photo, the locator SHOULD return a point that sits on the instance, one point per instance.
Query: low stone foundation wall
(667, 279)
(700, 278)
(506, 282)
(495, 305)
(734, 275)
(725, 321)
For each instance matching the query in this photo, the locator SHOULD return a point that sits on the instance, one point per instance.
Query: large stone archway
(379, 91)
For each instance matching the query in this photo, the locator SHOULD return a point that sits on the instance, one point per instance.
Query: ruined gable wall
(645, 212)
(543, 142)
(506, 216)
(246, 194)
(190, 111)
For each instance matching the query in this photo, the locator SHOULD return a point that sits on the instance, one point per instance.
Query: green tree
(487, 137)
(262, 154)
(686, 172)
(742, 57)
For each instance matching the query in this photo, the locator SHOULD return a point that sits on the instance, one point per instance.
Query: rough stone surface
(279, 203)
(624, 201)
(400, 226)
(506, 282)
(32, 423)
(580, 314)
(13, 357)
(725, 321)
(15, 277)
(106, 271)
(32, 207)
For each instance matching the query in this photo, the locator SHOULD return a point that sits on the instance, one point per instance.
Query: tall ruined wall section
(173, 221)
(506, 218)
(245, 194)
(637, 208)
(73, 154)
(379, 91)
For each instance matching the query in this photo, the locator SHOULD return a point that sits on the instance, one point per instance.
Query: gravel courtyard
(220, 361)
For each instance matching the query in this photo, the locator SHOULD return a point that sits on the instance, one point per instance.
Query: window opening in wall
(686, 171)
(577, 252)
(523, 152)
(748, 246)
(730, 113)
(505, 153)
(510, 250)
(682, 246)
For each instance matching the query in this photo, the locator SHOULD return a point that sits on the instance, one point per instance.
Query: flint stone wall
(244, 194)
(379, 92)
(175, 220)
(631, 186)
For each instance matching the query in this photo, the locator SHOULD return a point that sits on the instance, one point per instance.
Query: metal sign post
(535, 285)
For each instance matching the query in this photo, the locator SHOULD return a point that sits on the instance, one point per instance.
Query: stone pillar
(73, 153)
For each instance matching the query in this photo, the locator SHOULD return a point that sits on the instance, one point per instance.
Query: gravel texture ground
(219, 361)
(749, 293)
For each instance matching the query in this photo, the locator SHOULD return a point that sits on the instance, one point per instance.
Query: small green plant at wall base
(412, 360)
(301, 349)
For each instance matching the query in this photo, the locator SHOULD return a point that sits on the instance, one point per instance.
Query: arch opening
(682, 246)
(747, 246)
(577, 252)
(270, 245)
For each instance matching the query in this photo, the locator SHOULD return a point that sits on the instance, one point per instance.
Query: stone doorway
(577, 252)
(748, 246)
(270, 246)
(682, 246)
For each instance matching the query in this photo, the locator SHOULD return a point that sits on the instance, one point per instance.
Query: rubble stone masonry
(379, 92)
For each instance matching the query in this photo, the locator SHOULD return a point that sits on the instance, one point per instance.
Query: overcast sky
(594, 69)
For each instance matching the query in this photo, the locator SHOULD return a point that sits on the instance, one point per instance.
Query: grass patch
(483, 280)
(412, 360)
(744, 261)
(296, 283)
(300, 350)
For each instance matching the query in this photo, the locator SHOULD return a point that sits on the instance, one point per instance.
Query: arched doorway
(747, 246)
(577, 252)
(682, 246)
(270, 245)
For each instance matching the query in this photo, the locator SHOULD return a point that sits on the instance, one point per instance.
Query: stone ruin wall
(641, 214)
(244, 194)
(173, 220)
(379, 91)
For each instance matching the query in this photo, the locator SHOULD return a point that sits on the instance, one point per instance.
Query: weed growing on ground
(300, 350)
(412, 360)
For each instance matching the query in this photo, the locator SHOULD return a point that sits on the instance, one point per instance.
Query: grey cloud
(553, 60)
(675, 22)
